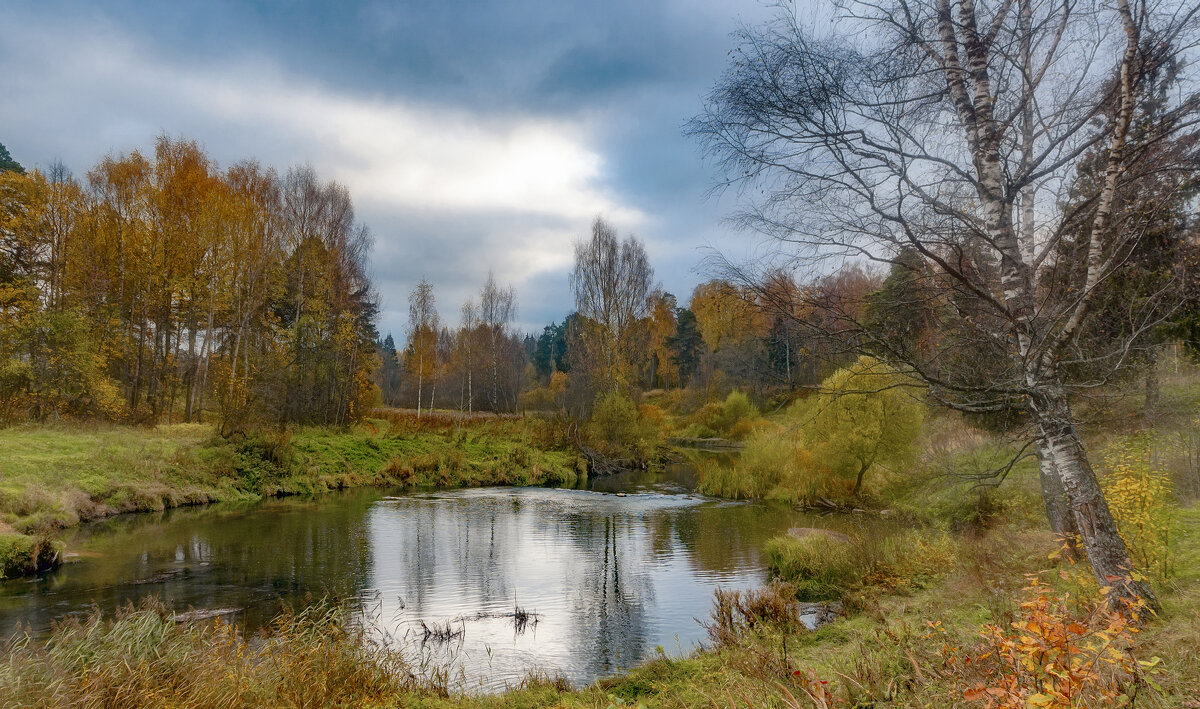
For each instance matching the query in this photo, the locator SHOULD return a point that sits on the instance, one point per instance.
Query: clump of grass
(735, 613)
(824, 568)
(21, 554)
(818, 567)
(143, 657)
(773, 465)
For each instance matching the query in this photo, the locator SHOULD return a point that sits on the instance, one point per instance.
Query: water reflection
(609, 576)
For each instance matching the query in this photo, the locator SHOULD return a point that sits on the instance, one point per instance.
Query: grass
(822, 568)
(55, 477)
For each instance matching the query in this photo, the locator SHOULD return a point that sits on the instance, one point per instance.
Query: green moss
(22, 554)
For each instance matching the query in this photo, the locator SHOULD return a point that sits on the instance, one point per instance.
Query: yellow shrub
(1142, 501)
(652, 414)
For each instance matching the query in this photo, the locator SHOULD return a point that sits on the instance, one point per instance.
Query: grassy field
(53, 477)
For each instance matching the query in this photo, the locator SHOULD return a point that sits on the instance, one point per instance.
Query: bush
(737, 408)
(21, 554)
(1142, 500)
(737, 612)
(733, 418)
(617, 429)
(1055, 655)
(773, 465)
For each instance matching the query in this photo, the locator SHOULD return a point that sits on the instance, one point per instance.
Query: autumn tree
(163, 280)
(661, 327)
(865, 415)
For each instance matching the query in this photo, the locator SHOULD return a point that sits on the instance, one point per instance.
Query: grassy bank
(55, 477)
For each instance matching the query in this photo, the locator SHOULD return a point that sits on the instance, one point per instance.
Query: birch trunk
(1098, 532)
(1058, 511)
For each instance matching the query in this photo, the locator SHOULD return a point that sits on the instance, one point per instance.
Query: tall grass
(822, 568)
(143, 658)
(773, 465)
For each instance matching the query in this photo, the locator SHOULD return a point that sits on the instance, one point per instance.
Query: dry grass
(144, 658)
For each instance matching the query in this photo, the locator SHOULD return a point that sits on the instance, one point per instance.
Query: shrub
(737, 612)
(652, 415)
(616, 428)
(704, 422)
(536, 399)
(1142, 501)
(1055, 654)
(731, 419)
(21, 554)
(737, 407)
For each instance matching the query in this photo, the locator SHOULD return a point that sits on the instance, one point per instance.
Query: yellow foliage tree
(866, 414)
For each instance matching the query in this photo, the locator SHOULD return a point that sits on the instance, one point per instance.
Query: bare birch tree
(497, 309)
(422, 335)
(930, 125)
(612, 282)
(466, 347)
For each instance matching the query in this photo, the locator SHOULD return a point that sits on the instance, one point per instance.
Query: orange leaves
(1056, 656)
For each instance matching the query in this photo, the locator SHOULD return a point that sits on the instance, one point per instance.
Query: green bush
(730, 419)
(21, 554)
(617, 429)
(737, 408)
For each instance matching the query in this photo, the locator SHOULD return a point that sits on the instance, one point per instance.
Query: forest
(956, 394)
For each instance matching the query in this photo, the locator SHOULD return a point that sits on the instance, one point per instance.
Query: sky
(473, 136)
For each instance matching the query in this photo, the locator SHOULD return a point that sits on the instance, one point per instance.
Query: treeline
(158, 287)
(478, 364)
(627, 335)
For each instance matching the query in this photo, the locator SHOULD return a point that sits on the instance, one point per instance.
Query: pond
(607, 574)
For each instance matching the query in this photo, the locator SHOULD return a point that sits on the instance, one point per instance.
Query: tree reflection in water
(609, 576)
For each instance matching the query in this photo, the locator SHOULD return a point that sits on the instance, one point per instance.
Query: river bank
(929, 645)
(54, 477)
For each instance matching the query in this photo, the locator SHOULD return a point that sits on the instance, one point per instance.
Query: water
(610, 573)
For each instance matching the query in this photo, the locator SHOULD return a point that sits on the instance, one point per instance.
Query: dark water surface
(611, 573)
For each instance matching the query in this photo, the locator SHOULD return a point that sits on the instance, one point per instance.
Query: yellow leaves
(1141, 499)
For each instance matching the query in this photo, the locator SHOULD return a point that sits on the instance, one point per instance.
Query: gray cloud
(475, 136)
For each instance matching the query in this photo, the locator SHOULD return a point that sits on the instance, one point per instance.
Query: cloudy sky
(472, 135)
